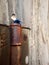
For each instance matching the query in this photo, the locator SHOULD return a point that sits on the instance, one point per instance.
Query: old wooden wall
(4, 17)
(34, 14)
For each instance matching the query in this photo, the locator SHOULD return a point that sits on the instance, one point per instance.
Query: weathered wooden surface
(4, 17)
(35, 14)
